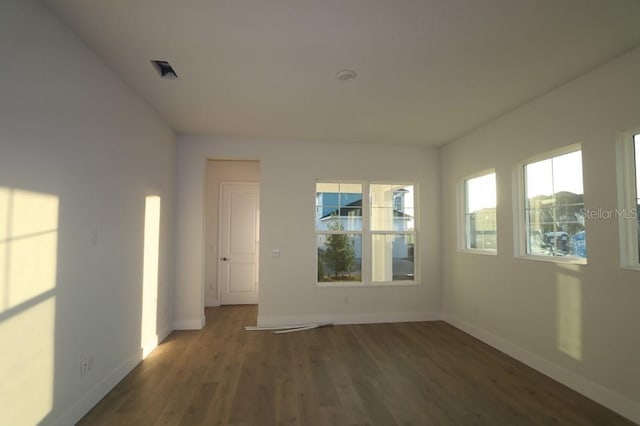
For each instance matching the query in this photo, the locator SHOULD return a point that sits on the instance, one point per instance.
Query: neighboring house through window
(629, 198)
(554, 214)
(339, 231)
(393, 232)
(375, 247)
(480, 230)
(636, 209)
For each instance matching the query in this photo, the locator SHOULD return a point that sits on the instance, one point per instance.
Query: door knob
(225, 258)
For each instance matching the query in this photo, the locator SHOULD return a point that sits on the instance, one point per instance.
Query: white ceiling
(428, 70)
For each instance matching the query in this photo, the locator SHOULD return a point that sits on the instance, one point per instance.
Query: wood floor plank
(427, 373)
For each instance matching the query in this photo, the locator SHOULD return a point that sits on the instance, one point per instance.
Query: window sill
(556, 259)
(485, 252)
(630, 267)
(346, 284)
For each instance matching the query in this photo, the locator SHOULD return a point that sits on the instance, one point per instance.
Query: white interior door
(239, 231)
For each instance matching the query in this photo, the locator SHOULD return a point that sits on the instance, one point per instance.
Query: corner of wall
(189, 323)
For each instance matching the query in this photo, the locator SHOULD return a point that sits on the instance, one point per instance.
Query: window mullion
(366, 234)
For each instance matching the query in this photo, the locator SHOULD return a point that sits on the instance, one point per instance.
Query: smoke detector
(346, 75)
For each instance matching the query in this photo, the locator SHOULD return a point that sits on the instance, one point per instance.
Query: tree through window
(339, 231)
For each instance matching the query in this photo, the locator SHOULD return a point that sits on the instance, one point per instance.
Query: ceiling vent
(165, 70)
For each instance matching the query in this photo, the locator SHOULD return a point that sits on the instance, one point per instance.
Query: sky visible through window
(481, 193)
(553, 175)
(637, 153)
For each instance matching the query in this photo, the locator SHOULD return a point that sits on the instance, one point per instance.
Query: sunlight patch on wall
(28, 245)
(148, 332)
(28, 266)
(27, 367)
(569, 312)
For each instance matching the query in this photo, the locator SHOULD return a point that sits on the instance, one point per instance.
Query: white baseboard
(598, 393)
(369, 318)
(189, 324)
(163, 334)
(211, 302)
(89, 399)
(81, 407)
(150, 346)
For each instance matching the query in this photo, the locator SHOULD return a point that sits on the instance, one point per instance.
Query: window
(339, 231)
(629, 199)
(392, 232)
(480, 231)
(634, 211)
(365, 239)
(554, 212)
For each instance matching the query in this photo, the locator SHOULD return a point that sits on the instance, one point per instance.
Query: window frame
(627, 199)
(463, 232)
(520, 218)
(367, 234)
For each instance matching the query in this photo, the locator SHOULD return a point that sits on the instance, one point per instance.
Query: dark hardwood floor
(425, 373)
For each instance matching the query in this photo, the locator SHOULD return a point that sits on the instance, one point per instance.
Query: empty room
(416, 212)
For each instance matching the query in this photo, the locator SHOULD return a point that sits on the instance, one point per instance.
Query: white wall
(288, 172)
(78, 155)
(220, 171)
(577, 323)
